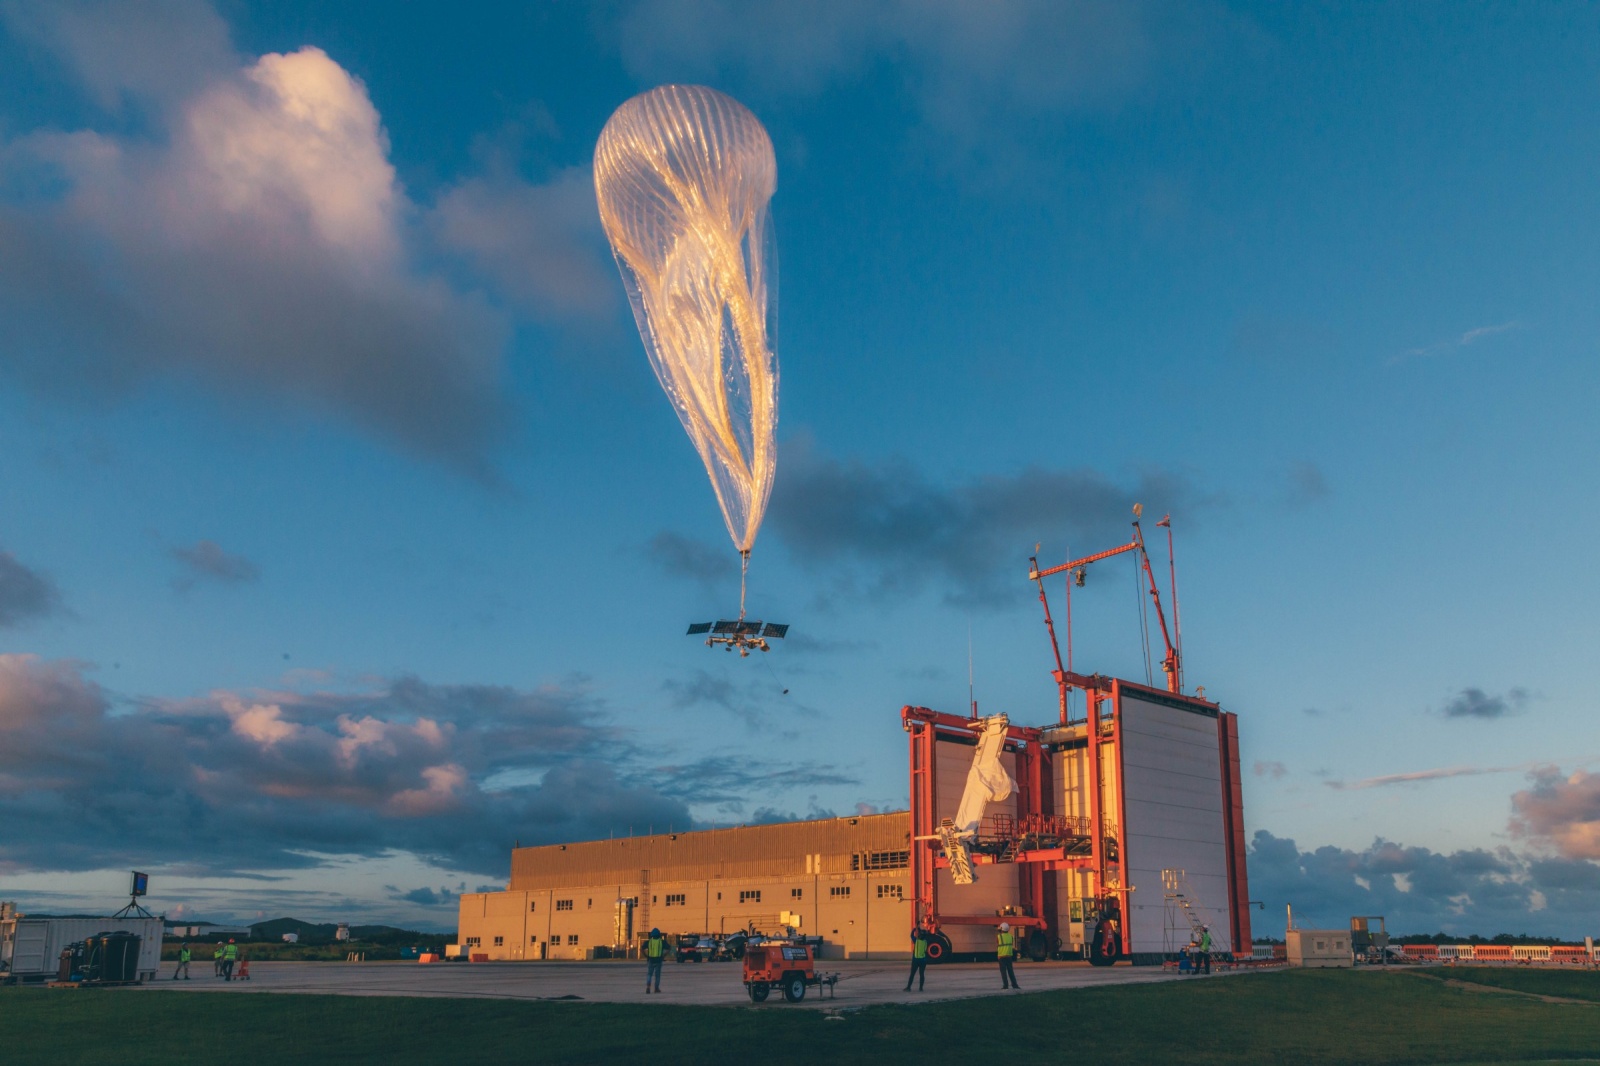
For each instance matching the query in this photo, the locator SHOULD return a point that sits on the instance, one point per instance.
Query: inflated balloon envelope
(683, 175)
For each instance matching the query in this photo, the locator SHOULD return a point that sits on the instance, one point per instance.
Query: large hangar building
(1171, 851)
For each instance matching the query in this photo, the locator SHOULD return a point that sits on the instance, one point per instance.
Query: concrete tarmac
(861, 982)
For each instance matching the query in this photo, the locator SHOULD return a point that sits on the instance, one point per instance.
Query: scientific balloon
(683, 175)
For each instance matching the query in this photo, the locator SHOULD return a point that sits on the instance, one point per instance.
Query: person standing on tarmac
(1202, 957)
(216, 958)
(184, 956)
(655, 950)
(1006, 952)
(919, 957)
(229, 955)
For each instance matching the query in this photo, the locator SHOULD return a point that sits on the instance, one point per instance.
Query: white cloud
(254, 235)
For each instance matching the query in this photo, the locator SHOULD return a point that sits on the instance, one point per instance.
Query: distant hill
(322, 933)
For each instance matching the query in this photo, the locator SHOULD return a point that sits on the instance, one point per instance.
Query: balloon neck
(744, 571)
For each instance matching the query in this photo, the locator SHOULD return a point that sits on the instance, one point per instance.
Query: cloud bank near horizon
(233, 783)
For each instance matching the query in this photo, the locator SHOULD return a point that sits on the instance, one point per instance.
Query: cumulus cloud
(272, 781)
(969, 67)
(26, 595)
(1424, 891)
(128, 50)
(1475, 703)
(1563, 812)
(206, 560)
(429, 897)
(885, 527)
(541, 246)
(254, 235)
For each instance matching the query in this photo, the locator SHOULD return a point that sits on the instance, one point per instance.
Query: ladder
(1178, 900)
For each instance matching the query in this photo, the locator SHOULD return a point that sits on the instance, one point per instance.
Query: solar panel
(698, 628)
(725, 627)
(776, 629)
(749, 629)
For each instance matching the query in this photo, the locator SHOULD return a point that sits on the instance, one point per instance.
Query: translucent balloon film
(683, 175)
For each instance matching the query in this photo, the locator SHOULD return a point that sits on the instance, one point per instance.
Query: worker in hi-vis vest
(230, 955)
(919, 957)
(1006, 951)
(1202, 957)
(655, 950)
(184, 956)
(216, 958)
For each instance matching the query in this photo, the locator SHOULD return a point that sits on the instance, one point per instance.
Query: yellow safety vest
(654, 947)
(231, 952)
(1006, 941)
(183, 954)
(919, 949)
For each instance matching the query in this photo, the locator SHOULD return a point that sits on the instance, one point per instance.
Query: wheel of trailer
(939, 948)
(1038, 946)
(758, 993)
(794, 987)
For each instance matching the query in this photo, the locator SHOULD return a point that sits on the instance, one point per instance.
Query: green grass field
(1319, 1016)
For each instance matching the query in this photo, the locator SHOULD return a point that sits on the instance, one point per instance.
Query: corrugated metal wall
(790, 849)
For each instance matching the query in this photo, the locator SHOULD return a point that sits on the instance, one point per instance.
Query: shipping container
(30, 948)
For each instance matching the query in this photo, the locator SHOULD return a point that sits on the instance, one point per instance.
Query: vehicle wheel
(758, 993)
(794, 988)
(1038, 947)
(939, 948)
(1105, 954)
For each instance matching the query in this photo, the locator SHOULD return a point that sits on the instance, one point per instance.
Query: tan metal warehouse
(844, 879)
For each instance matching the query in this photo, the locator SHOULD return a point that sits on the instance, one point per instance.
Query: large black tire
(758, 993)
(1038, 946)
(939, 948)
(794, 987)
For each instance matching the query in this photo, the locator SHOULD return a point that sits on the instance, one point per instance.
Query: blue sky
(350, 538)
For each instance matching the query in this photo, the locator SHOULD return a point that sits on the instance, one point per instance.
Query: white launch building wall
(1172, 781)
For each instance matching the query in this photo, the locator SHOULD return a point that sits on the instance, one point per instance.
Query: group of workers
(223, 961)
(1005, 951)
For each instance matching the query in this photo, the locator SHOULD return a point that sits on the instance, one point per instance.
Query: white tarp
(987, 781)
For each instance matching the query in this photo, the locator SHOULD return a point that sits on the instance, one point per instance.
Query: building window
(533, 906)
(499, 941)
(572, 939)
(750, 895)
(589, 904)
(891, 892)
(839, 892)
(474, 941)
(563, 904)
(880, 860)
(533, 940)
(719, 897)
(676, 899)
(797, 893)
